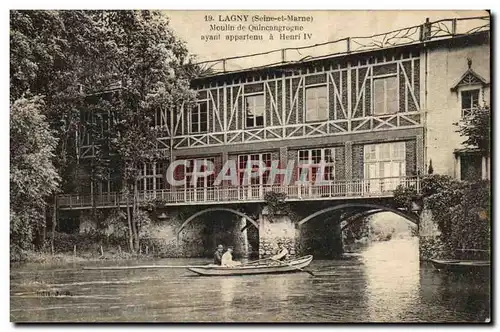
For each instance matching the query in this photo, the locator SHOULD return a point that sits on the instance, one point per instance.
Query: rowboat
(461, 265)
(274, 267)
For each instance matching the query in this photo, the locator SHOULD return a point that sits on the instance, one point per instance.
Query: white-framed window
(469, 99)
(385, 95)
(384, 165)
(254, 110)
(160, 174)
(201, 181)
(312, 159)
(153, 176)
(316, 103)
(254, 160)
(198, 119)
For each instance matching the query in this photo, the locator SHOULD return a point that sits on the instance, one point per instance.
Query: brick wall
(411, 157)
(339, 163)
(357, 161)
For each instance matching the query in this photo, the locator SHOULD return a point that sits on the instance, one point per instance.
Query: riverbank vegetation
(461, 209)
(108, 72)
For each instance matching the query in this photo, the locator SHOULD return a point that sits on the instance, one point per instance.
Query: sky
(326, 26)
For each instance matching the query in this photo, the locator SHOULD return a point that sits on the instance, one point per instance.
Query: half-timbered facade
(364, 115)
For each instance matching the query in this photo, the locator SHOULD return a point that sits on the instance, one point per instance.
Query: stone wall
(274, 230)
(429, 244)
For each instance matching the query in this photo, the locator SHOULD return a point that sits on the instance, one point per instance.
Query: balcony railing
(364, 188)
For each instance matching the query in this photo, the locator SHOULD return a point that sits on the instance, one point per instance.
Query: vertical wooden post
(454, 27)
(74, 250)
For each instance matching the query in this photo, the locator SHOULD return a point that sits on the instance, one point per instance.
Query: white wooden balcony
(369, 188)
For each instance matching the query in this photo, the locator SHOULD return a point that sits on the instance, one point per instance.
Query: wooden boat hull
(285, 267)
(461, 265)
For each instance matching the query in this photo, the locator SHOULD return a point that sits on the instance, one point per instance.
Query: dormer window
(470, 89)
(470, 100)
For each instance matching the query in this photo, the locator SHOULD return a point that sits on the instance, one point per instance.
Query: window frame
(379, 159)
(480, 99)
(264, 177)
(384, 78)
(199, 122)
(208, 182)
(246, 114)
(331, 166)
(327, 99)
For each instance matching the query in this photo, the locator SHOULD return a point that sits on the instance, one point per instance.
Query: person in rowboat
(227, 258)
(282, 253)
(218, 254)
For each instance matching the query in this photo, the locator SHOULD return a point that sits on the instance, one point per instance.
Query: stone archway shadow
(241, 214)
(379, 208)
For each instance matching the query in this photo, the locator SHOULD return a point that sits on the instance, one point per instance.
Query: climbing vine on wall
(277, 205)
(461, 209)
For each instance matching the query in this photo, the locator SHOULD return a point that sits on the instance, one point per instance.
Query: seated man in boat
(282, 254)
(227, 258)
(218, 254)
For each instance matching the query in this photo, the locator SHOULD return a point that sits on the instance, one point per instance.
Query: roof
(470, 77)
(413, 35)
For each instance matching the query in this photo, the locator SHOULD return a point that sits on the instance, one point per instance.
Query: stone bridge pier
(274, 229)
(321, 237)
(319, 229)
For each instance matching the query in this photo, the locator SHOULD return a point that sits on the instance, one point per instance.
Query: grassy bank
(48, 258)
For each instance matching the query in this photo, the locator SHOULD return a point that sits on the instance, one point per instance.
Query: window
(385, 95)
(470, 167)
(316, 104)
(470, 100)
(385, 164)
(312, 160)
(199, 118)
(254, 107)
(201, 181)
(160, 174)
(152, 176)
(255, 159)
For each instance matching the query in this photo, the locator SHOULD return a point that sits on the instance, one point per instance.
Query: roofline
(424, 31)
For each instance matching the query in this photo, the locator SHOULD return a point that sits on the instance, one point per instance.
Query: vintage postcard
(250, 166)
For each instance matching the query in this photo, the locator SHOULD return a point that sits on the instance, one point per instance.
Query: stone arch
(350, 220)
(407, 215)
(199, 213)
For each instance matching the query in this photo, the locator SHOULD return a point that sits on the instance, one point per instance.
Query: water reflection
(392, 272)
(385, 283)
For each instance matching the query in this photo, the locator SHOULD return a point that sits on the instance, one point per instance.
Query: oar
(144, 267)
(297, 268)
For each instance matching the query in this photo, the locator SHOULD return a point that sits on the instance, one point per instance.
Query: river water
(383, 283)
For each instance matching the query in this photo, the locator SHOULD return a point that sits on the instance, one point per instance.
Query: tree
(70, 59)
(33, 177)
(149, 63)
(477, 129)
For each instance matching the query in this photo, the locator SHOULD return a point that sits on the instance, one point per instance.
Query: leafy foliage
(477, 128)
(104, 74)
(277, 205)
(33, 176)
(405, 196)
(461, 210)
